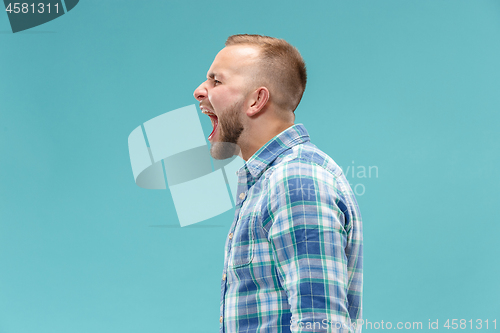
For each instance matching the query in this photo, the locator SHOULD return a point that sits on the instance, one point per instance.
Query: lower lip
(214, 130)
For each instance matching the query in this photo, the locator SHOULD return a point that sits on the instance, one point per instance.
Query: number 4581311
(30, 8)
(463, 324)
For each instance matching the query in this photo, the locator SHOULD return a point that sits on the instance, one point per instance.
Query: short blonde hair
(282, 67)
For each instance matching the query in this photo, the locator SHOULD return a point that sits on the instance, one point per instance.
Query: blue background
(411, 87)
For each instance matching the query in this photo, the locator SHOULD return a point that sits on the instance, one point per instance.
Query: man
(293, 259)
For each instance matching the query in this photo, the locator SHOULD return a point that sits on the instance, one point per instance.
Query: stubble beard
(230, 129)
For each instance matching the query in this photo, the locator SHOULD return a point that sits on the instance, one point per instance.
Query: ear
(258, 99)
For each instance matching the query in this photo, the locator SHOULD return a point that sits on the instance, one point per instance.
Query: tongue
(215, 126)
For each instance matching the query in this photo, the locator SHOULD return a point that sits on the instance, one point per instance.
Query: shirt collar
(263, 157)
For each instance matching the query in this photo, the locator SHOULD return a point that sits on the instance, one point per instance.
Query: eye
(216, 82)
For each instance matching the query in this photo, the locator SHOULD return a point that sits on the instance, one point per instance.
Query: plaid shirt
(293, 256)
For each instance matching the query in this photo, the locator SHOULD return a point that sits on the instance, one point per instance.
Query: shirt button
(220, 319)
(231, 236)
(224, 277)
(242, 195)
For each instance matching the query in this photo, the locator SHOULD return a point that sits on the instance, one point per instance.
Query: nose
(200, 93)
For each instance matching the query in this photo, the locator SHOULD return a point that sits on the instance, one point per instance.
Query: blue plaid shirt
(293, 255)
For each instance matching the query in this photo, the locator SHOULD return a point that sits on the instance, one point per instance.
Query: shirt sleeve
(308, 236)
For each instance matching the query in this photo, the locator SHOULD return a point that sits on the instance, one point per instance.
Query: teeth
(207, 112)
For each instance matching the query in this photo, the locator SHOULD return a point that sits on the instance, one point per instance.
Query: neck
(257, 136)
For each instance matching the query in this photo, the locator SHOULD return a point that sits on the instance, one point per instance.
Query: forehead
(234, 60)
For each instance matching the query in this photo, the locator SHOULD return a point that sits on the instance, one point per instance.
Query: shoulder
(303, 161)
(307, 177)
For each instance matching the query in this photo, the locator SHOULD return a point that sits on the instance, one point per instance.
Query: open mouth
(215, 122)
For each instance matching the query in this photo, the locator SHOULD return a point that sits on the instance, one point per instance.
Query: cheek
(222, 98)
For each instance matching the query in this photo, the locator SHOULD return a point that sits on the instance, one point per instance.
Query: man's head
(280, 67)
(252, 90)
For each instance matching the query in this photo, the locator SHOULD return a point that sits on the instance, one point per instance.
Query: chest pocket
(241, 252)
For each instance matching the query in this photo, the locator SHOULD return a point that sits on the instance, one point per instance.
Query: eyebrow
(212, 75)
